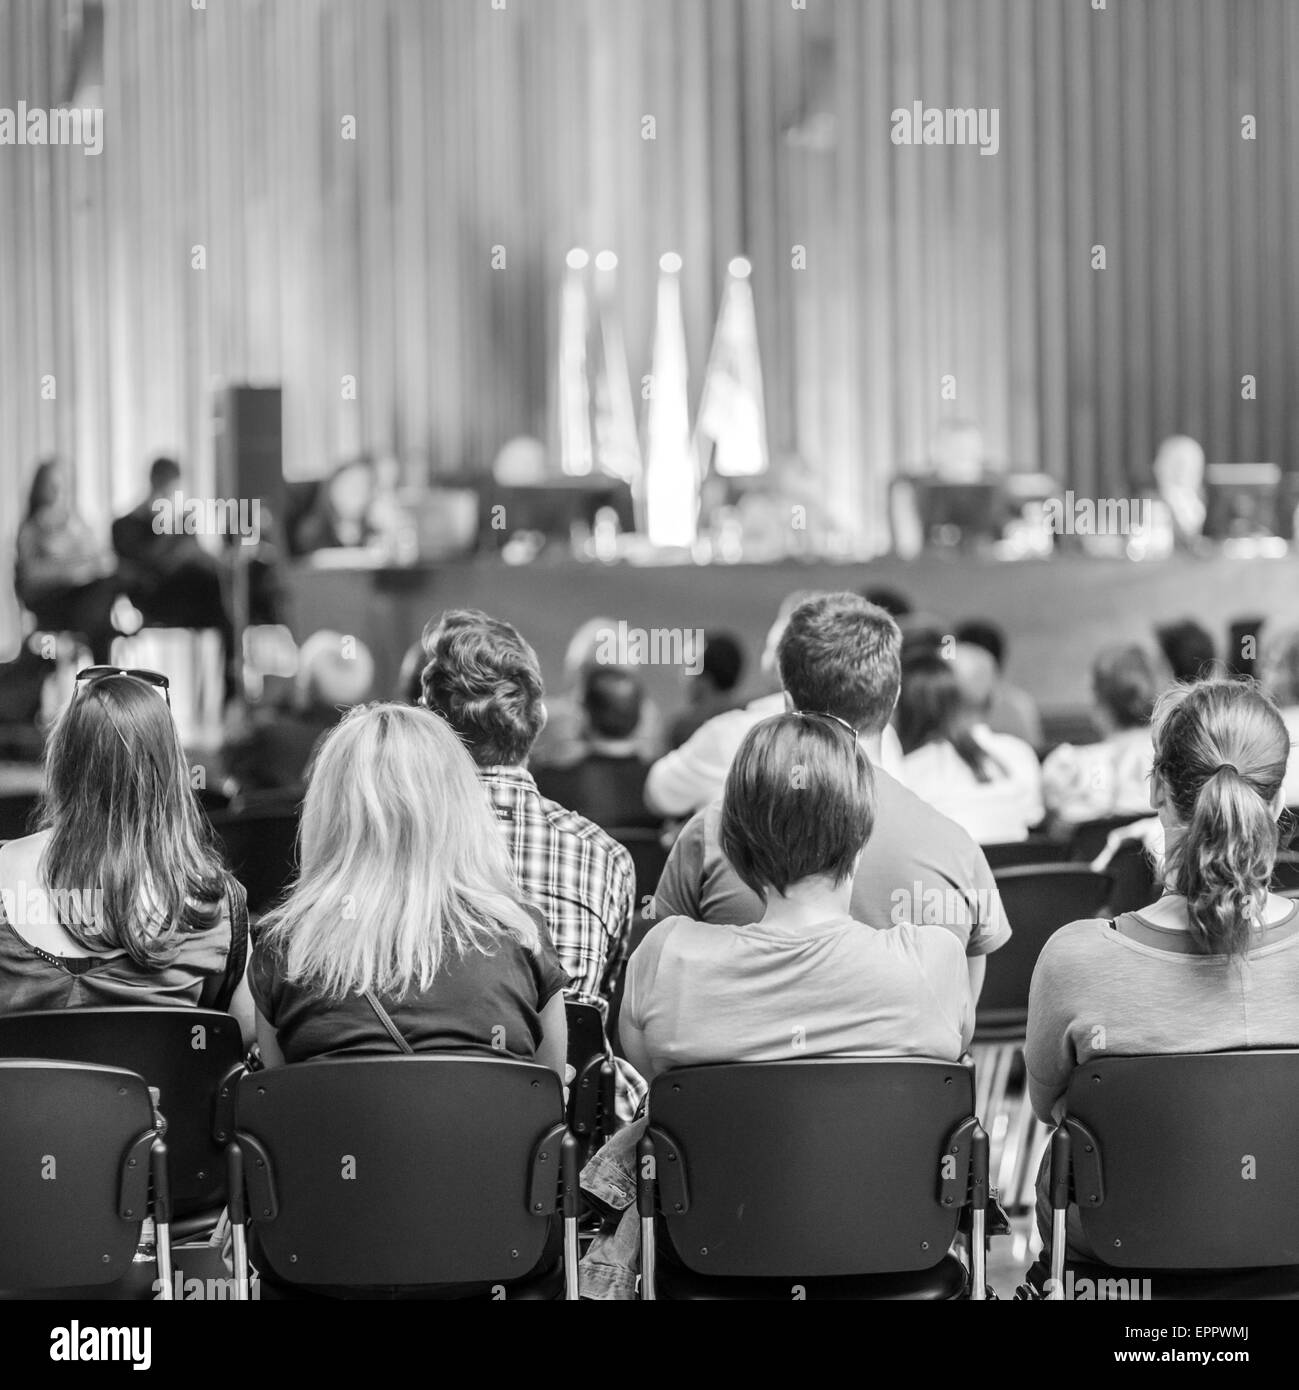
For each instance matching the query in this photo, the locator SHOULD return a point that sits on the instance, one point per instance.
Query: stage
(1056, 612)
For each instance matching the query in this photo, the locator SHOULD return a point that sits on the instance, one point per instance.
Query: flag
(572, 390)
(671, 473)
(617, 445)
(732, 425)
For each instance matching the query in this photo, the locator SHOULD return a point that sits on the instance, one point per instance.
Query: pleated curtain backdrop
(229, 232)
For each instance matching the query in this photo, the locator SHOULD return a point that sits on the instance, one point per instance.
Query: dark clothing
(48, 555)
(84, 609)
(696, 715)
(606, 789)
(274, 755)
(31, 978)
(483, 1004)
(173, 581)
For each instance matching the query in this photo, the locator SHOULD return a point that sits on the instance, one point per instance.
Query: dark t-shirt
(489, 1004)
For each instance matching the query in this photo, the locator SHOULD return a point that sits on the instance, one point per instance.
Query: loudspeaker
(250, 449)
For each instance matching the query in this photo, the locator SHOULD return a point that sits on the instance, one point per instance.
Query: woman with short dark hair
(805, 979)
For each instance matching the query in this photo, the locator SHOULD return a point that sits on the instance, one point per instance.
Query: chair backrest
(401, 1170)
(1089, 836)
(830, 1166)
(587, 1051)
(1133, 875)
(261, 847)
(74, 1173)
(191, 1056)
(1037, 849)
(1193, 1159)
(1285, 873)
(1037, 900)
(647, 855)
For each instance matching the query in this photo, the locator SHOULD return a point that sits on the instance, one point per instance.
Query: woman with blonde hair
(405, 924)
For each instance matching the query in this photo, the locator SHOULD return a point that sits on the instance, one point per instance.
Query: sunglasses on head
(825, 714)
(153, 678)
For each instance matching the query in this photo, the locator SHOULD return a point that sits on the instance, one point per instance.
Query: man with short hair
(839, 655)
(485, 681)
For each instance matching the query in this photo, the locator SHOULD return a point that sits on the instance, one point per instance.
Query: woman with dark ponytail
(1212, 966)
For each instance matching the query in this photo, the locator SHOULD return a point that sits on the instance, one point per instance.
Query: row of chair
(826, 1178)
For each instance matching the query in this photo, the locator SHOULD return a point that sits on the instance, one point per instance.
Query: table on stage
(1057, 613)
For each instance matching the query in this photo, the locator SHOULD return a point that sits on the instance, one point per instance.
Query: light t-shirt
(1001, 810)
(703, 993)
(1089, 781)
(917, 866)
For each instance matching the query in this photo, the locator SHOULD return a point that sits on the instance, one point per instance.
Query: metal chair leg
(645, 1193)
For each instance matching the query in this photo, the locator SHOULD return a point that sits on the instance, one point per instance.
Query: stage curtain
(229, 231)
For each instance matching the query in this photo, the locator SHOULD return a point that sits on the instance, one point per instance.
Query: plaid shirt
(583, 882)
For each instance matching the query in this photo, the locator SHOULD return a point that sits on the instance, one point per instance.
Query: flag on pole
(617, 445)
(572, 389)
(671, 473)
(731, 426)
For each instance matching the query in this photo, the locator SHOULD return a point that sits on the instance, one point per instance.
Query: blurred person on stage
(65, 578)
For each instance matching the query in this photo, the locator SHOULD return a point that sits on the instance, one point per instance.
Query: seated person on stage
(120, 899)
(692, 776)
(405, 891)
(1213, 965)
(1179, 484)
(1188, 650)
(839, 655)
(1082, 782)
(712, 690)
(334, 673)
(339, 517)
(990, 784)
(608, 785)
(484, 680)
(169, 577)
(1279, 670)
(67, 581)
(799, 977)
(1012, 710)
(563, 739)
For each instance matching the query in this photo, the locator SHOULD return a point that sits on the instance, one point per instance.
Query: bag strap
(219, 990)
(393, 1031)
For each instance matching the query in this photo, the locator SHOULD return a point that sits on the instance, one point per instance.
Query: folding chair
(410, 1172)
(1037, 900)
(191, 1057)
(1182, 1169)
(826, 1178)
(80, 1148)
(1037, 849)
(1285, 874)
(592, 1112)
(1089, 836)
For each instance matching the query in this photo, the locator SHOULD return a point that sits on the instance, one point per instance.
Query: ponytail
(1221, 750)
(1224, 862)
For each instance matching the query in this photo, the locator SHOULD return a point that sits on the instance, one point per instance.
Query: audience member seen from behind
(563, 739)
(405, 912)
(1213, 965)
(1011, 710)
(1279, 668)
(1083, 782)
(1189, 651)
(699, 992)
(838, 655)
(120, 899)
(335, 672)
(67, 581)
(989, 784)
(607, 785)
(484, 680)
(712, 689)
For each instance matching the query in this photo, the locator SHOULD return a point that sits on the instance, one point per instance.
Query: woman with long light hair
(405, 911)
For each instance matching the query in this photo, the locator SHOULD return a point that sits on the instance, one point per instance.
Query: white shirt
(1093, 780)
(1000, 811)
(694, 775)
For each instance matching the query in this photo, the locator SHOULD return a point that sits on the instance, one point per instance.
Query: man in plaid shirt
(485, 681)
